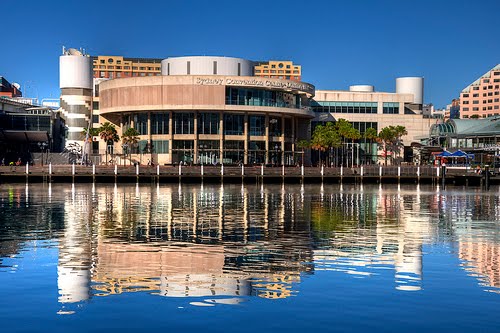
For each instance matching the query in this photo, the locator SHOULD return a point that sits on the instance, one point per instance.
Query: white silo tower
(75, 81)
(411, 85)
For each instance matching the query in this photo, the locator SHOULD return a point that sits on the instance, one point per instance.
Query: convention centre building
(213, 110)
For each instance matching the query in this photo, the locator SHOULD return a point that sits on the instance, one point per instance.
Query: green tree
(386, 138)
(399, 132)
(130, 138)
(92, 132)
(344, 128)
(325, 137)
(370, 135)
(108, 133)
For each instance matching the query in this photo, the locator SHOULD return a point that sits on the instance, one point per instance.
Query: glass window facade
(183, 123)
(25, 123)
(183, 144)
(233, 124)
(208, 151)
(274, 126)
(257, 125)
(208, 123)
(345, 107)
(141, 123)
(261, 97)
(159, 122)
(391, 108)
(161, 146)
(362, 126)
(234, 145)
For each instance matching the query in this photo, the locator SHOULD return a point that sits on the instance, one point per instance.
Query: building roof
(468, 127)
(485, 75)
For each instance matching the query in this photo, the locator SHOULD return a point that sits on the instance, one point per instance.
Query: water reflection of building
(185, 243)
(75, 252)
(483, 262)
(377, 231)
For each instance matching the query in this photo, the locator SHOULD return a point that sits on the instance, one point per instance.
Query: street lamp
(43, 146)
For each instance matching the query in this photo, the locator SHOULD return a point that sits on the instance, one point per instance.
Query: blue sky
(338, 43)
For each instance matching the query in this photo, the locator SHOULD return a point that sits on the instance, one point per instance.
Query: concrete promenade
(238, 174)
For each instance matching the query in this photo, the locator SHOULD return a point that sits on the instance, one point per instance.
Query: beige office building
(365, 108)
(279, 70)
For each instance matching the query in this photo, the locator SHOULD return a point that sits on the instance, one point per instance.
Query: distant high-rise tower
(75, 81)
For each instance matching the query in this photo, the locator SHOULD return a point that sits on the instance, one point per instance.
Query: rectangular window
(168, 69)
(208, 123)
(188, 68)
(257, 125)
(239, 69)
(159, 122)
(465, 95)
(183, 123)
(233, 124)
(390, 108)
(274, 126)
(466, 109)
(465, 102)
(183, 144)
(160, 146)
(95, 105)
(215, 67)
(475, 102)
(141, 123)
(95, 118)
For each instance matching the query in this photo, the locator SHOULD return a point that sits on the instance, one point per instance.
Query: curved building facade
(204, 65)
(75, 81)
(209, 119)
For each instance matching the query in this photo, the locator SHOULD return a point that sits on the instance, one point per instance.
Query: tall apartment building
(481, 98)
(111, 67)
(278, 70)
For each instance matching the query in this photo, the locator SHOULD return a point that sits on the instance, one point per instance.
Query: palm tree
(130, 138)
(325, 137)
(303, 144)
(344, 127)
(386, 137)
(399, 131)
(108, 133)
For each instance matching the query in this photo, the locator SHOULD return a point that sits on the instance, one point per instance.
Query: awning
(24, 136)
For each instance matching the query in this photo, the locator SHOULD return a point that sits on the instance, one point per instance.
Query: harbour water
(249, 258)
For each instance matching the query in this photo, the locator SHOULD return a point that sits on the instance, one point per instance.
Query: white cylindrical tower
(411, 85)
(362, 88)
(75, 81)
(205, 65)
